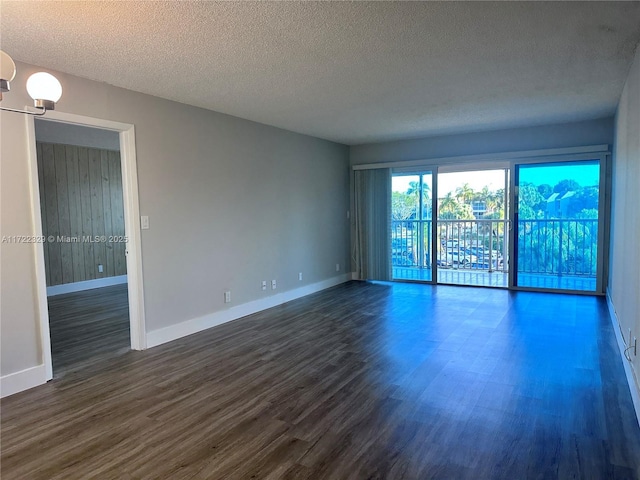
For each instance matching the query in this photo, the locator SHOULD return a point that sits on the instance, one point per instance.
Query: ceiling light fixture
(44, 88)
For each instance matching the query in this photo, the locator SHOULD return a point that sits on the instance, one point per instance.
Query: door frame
(133, 250)
(433, 170)
(604, 218)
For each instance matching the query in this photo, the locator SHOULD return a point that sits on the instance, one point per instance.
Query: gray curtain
(372, 204)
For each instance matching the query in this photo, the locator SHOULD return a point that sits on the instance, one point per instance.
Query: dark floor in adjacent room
(86, 327)
(363, 380)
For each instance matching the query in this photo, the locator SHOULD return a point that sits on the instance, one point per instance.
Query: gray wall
(230, 202)
(593, 132)
(624, 282)
(56, 132)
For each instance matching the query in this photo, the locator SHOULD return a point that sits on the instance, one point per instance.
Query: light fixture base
(45, 104)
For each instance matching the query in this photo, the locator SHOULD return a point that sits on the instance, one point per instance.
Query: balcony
(551, 253)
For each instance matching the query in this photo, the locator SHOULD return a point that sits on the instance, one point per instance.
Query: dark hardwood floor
(86, 327)
(360, 381)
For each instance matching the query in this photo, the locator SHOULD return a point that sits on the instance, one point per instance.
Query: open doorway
(130, 245)
(472, 228)
(82, 211)
(453, 222)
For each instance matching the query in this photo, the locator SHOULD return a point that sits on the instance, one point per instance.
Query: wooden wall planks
(80, 197)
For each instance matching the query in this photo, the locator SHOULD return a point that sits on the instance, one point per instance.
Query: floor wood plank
(90, 326)
(364, 380)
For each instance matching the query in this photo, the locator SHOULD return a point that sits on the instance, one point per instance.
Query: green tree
(529, 201)
(403, 206)
(567, 185)
(465, 193)
(451, 209)
(545, 190)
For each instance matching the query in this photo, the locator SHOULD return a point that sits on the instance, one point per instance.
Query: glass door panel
(557, 224)
(411, 226)
(472, 228)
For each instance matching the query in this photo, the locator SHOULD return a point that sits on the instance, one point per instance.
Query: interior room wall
(230, 203)
(576, 134)
(81, 201)
(624, 281)
(69, 134)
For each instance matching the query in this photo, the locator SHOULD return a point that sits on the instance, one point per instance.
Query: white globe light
(7, 67)
(44, 86)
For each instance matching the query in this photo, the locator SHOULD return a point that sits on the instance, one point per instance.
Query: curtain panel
(372, 204)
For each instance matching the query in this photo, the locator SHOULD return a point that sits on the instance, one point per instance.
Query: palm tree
(414, 189)
(465, 193)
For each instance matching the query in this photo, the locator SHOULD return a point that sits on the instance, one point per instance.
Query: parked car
(460, 257)
(485, 256)
(450, 244)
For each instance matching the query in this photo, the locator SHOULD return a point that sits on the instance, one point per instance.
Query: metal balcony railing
(558, 247)
(545, 247)
(462, 244)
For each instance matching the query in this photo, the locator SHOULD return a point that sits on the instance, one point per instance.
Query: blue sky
(585, 173)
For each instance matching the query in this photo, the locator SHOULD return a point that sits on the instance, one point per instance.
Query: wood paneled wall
(81, 198)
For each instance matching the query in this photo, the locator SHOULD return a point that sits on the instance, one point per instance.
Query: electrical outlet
(300, 276)
(273, 284)
(337, 267)
(264, 284)
(227, 297)
(100, 268)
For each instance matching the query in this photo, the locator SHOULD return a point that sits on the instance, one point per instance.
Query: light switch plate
(144, 222)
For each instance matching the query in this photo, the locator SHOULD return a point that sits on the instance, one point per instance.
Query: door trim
(132, 228)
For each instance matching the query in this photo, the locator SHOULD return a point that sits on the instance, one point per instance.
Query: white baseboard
(628, 367)
(86, 285)
(174, 332)
(355, 276)
(22, 380)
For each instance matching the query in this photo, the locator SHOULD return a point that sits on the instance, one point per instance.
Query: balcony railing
(462, 244)
(558, 247)
(545, 247)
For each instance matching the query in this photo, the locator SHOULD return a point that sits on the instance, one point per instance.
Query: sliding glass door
(525, 225)
(472, 227)
(558, 219)
(412, 226)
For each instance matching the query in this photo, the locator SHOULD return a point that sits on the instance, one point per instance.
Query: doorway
(473, 227)
(412, 226)
(130, 244)
(527, 225)
(469, 242)
(558, 216)
(80, 182)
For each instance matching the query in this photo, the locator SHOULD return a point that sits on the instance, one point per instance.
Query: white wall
(624, 283)
(592, 132)
(231, 202)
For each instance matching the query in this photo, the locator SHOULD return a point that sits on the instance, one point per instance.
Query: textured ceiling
(352, 72)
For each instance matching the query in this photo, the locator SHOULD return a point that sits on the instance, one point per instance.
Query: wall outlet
(300, 276)
(227, 296)
(264, 284)
(273, 284)
(337, 267)
(100, 268)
